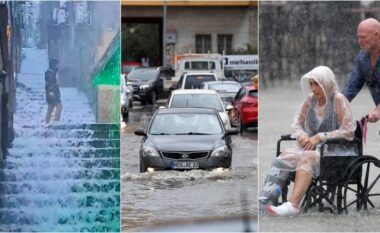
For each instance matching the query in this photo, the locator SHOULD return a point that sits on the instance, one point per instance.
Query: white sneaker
(286, 209)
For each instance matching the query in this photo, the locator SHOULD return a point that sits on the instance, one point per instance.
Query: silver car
(197, 98)
(226, 89)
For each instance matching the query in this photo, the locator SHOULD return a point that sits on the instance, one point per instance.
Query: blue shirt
(361, 74)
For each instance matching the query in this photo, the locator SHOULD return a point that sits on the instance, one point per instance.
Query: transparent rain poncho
(331, 120)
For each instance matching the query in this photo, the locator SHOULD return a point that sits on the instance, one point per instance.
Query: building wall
(241, 21)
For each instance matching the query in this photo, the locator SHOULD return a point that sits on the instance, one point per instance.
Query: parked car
(126, 98)
(245, 79)
(226, 89)
(245, 108)
(198, 98)
(128, 66)
(185, 138)
(148, 83)
(194, 80)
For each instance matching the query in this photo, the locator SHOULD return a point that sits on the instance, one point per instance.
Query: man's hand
(312, 142)
(374, 115)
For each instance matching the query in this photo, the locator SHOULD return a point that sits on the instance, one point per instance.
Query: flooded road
(160, 197)
(275, 122)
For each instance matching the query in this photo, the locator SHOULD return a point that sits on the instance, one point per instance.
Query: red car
(246, 104)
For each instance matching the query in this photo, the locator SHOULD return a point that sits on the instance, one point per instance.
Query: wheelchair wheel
(364, 175)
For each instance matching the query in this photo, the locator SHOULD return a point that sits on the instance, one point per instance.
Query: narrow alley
(63, 176)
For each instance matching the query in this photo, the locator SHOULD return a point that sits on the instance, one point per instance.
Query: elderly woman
(324, 114)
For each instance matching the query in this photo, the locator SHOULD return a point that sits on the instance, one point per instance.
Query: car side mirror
(232, 131)
(140, 132)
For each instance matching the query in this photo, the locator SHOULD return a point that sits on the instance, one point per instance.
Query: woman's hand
(312, 142)
(303, 139)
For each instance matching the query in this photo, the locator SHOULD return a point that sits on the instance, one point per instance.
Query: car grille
(185, 155)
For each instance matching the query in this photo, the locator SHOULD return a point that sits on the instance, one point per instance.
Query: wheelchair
(344, 181)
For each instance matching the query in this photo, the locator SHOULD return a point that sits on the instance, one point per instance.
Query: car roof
(250, 88)
(194, 91)
(199, 73)
(206, 59)
(153, 68)
(221, 81)
(187, 110)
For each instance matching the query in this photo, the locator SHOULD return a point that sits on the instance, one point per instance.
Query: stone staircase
(62, 178)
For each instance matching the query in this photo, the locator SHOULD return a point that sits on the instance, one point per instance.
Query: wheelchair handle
(284, 137)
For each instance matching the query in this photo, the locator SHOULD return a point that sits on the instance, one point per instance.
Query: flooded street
(274, 123)
(148, 199)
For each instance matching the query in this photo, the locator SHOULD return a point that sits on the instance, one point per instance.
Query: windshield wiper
(161, 134)
(192, 133)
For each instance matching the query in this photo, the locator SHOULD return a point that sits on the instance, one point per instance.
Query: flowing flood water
(61, 177)
(277, 108)
(167, 197)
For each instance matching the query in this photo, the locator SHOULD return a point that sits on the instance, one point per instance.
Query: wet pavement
(59, 177)
(277, 107)
(160, 197)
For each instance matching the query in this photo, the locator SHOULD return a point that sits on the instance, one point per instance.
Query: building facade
(199, 27)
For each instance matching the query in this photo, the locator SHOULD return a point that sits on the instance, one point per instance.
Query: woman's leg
(276, 178)
(303, 179)
(49, 111)
(58, 110)
(301, 183)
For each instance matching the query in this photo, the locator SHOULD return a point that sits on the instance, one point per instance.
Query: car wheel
(153, 98)
(143, 167)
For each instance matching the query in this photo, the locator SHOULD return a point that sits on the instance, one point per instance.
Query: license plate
(185, 165)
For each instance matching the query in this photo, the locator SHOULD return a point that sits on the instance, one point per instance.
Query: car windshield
(195, 81)
(200, 65)
(197, 101)
(253, 93)
(185, 124)
(224, 87)
(142, 74)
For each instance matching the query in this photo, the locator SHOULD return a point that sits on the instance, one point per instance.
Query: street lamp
(164, 37)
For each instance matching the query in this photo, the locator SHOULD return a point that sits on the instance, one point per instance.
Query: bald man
(366, 68)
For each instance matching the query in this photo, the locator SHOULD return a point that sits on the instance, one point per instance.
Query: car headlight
(220, 151)
(149, 151)
(143, 87)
